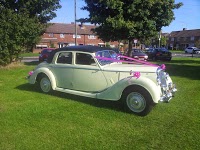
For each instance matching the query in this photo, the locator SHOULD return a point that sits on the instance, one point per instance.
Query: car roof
(81, 48)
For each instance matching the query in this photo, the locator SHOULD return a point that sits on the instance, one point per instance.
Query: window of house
(91, 44)
(172, 39)
(64, 58)
(91, 37)
(51, 35)
(62, 35)
(77, 36)
(192, 38)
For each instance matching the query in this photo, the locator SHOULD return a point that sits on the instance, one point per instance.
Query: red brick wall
(55, 39)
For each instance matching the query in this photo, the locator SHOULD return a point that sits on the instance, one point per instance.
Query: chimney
(82, 25)
(184, 29)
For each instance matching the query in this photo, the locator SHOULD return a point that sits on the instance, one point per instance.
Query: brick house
(183, 39)
(60, 35)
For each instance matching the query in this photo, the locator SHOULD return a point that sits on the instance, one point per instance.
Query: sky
(188, 16)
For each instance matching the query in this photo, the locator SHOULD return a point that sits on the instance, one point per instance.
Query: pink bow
(163, 66)
(30, 73)
(135, 74)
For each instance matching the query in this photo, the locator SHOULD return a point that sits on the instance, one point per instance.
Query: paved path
(30, 59)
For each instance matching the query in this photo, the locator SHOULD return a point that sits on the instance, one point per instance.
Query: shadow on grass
(113, 105)
(184, 69)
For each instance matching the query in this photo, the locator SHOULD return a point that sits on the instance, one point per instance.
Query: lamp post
(75, 22)
(159, 38)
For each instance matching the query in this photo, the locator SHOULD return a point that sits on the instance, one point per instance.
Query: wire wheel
(136, 102)
(45, 84)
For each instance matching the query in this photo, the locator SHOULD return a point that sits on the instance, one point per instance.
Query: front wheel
(45, 84)
(137, 100)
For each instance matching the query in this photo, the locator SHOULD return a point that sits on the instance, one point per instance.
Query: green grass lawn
(31, 120)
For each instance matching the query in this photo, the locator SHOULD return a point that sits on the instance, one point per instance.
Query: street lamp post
(159, 38)
(75, 22)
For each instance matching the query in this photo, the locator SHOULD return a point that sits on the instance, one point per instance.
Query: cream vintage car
(99, 73)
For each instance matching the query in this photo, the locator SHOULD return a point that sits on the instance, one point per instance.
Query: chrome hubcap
(136, 102)
(45, 85)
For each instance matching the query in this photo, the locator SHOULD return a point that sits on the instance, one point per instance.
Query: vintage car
(98, 72)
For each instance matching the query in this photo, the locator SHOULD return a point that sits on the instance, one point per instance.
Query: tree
(22, 24)
(154, 41)
(122, 19)
(44, 10)
(197, 43)
(17, 31)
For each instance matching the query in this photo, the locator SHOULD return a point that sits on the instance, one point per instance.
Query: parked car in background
(198, 51)
(159, 54)
(117, 51)
(138, 54)
(44, 54)
(96, 72)
(192, 50)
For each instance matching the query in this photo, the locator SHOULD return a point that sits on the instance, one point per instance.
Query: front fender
(33, 78)
(115, 92)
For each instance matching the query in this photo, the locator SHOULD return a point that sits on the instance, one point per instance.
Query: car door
(63, 70)
(87, 74)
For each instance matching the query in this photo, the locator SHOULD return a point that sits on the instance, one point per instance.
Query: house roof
(62, 28)
(185, 33)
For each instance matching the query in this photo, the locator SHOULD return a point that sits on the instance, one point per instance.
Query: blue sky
(188, 16)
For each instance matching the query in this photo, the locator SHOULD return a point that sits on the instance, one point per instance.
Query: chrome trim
(168, 93)
(168, 89)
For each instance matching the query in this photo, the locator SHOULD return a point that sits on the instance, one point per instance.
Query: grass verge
(30, 119)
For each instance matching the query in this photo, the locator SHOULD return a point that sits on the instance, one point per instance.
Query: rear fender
(34, 77)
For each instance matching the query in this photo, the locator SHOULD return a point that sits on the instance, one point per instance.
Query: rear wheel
(137, 100)
(45, 84)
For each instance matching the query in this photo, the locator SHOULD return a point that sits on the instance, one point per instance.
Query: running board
(79, 93)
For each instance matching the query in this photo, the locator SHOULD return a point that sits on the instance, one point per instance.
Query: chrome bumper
(168, 92)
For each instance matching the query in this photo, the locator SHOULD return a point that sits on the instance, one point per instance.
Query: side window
(84, 59)
(64, 58)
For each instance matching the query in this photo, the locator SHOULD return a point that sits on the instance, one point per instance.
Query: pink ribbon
(163, 66)
(30, 73)
(134, 61)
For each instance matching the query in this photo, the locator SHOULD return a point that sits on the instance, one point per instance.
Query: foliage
(197, 43)
(33, 120)
(22, 24)
(17, 31)
(44, 10)
(154, 41)
(126, 20)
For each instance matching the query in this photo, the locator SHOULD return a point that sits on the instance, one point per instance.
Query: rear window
(46, 51)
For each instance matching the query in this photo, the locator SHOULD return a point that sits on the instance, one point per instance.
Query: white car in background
(193, 50)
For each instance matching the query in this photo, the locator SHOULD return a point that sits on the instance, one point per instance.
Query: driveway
(30, 59)
(184, 55)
